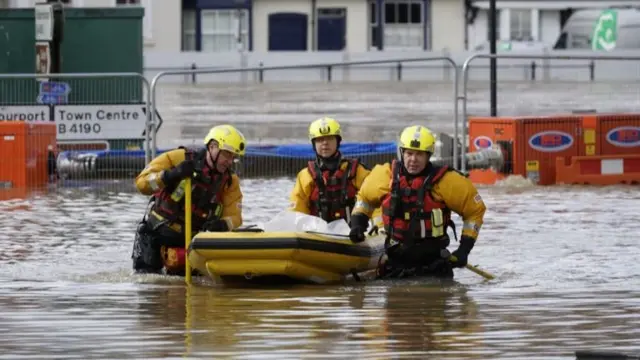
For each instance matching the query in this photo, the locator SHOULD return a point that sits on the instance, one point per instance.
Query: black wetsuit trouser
(148, 241)
(418, 258)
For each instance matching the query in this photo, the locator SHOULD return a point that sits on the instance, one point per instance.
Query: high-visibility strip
(229, 222)
(362, 205)
(437, 223)
(152, 179)
(471, 226)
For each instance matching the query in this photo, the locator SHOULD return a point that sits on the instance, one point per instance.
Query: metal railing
(158, 77)
(465, 83)
(530, 71)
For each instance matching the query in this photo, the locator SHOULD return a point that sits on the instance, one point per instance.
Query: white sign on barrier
(97, 122)
(24, 113)
(86, 122)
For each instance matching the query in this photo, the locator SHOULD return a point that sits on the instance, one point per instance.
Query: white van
(601, 29)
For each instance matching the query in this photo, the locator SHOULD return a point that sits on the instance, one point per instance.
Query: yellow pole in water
(187, 229)
(188, 322)
(482, 273)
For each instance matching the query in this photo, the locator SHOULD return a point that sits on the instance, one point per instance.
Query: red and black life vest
(334, 194)
(206, 194)
(407, 209)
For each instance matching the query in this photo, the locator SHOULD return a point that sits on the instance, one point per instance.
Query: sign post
(49, 22)
(46, 36)
(43, 15)
(43, 60)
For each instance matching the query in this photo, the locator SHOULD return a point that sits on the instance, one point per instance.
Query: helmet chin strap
(214, 161)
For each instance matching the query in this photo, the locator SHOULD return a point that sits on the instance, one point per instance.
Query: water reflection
(377, 320)
(160, 318)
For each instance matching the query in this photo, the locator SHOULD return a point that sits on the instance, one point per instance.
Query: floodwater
(564, 257)
(280, 113)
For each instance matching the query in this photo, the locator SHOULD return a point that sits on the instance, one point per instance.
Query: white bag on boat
(298, 222)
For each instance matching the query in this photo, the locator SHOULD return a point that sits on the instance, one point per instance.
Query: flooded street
(564, 257)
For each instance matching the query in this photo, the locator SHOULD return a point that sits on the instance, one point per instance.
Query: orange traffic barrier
(619, 134)
(535, 147)
(24, 154)
(599, 170)
(531, 145)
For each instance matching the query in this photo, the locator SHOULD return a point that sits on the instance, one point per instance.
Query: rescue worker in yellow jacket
(216, 195)
(417, 199)
(327, 187)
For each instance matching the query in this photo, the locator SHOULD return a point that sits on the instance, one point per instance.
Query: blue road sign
(57, 88)
(50, 99)
(53, 93)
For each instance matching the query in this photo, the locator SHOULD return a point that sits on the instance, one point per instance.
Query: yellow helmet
(325, 126)
(417, 138)
(228, 137)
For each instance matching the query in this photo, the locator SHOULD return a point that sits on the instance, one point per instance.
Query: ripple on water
(567, 280)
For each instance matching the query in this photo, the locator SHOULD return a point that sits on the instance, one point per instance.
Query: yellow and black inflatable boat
(299, 256)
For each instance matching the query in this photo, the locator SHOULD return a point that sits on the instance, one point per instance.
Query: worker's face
(223, 159)
(415, 161)
(326, 146)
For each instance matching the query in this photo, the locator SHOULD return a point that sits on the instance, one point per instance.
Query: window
(225, 30)
(561, 43)
(127, 2)
(403, 12)
(520, 25)
(188, 30)
(338, 13)
(404, 24)
(497, 25)
(580, 41)
(374, 40)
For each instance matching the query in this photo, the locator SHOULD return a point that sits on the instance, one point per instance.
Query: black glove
(173, 176)
(462, 252)
(359, 224)
(216, 226)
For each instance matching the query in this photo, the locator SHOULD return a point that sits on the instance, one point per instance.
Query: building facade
(320, 25)
(341, 25)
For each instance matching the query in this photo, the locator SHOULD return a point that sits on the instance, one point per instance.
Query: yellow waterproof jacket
(149, 181)
(456, 191)
(305, 184)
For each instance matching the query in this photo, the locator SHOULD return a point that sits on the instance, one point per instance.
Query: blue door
(287, 32)
(332, 28)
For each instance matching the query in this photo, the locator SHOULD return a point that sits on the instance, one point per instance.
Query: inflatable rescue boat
(300, 256)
